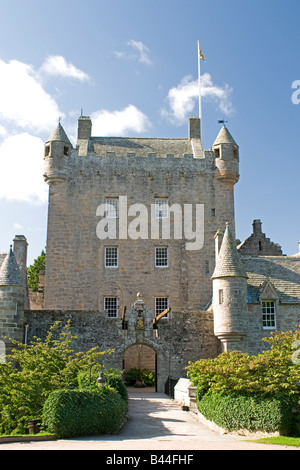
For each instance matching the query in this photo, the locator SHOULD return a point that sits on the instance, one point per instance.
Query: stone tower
(12, 299)
(226, 152)
(229, 294)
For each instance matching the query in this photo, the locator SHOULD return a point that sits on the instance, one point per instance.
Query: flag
(201, 56)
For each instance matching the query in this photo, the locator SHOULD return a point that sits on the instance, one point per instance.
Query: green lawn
(280, 440)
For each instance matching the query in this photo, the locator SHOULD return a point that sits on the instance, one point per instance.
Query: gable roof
(282, 272)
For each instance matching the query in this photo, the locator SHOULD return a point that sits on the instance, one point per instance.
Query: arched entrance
(140, 356)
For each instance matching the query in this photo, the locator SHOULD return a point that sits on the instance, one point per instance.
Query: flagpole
(199, 85)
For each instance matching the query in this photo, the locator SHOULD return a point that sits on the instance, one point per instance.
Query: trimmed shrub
(233, 410)
(70, 413)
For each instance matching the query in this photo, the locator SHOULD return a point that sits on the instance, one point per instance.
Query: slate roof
(141, 147)
(282, 271)
(224, 137)
(59, 134)
(10, 273)
(229, 263)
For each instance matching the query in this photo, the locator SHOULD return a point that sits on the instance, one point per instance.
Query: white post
(199, 84)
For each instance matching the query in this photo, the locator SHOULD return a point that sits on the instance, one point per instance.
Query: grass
(280, 440)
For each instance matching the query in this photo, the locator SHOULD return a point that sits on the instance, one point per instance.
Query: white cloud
(141, 56)
(58, 66)
(181, 99)
(21, 169)
(23, 101)
(142, 50)
(120, 123)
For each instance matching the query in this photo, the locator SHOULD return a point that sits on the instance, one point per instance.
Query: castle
(142, 255)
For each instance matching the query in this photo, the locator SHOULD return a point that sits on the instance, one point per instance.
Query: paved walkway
(155, 422)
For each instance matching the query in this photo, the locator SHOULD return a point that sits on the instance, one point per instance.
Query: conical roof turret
(229, 263)
(59, 134)
(224, 137)
(10, 274)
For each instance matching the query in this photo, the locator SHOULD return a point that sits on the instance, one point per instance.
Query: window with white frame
(269, 314)
(111, 256)
(112, 207)
(161, 208)
(161, 304)
(161, 257)
(111, 306)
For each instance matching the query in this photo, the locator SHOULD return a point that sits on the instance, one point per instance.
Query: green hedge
(233, 410)
(70, 413)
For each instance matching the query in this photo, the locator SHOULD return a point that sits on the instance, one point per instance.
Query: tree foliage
(34, 271)
(275, 370)
(32, 372)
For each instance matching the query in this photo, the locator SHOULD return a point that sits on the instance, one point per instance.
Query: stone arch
(140, 356)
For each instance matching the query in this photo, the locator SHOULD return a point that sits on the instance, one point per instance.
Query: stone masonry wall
(75, 274)
(184, 337)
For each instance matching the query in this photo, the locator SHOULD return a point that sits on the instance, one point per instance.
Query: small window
(269, 314)
(161, 256)
(235, 153)
(259, 246)
(111, 306)
(47, 150)
(221, 296)
(161, 208)
(111, 257)
(217, 153)
(66, 151)
(112, 207)
(161, 304)
(213, 212)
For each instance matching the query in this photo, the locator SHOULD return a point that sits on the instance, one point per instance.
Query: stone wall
(184, 337)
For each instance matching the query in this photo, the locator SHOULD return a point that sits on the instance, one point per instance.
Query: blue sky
(132, 66)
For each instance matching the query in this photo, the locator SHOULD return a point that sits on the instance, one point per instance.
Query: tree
(275, 370)
(34, 271)
(33, 371)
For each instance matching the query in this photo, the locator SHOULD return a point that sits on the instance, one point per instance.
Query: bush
(134, 374)
(70, 413)
(234, 410)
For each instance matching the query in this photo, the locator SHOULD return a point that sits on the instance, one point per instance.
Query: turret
(229, 294)
(57, 151)
(226, 153)
(12, 298)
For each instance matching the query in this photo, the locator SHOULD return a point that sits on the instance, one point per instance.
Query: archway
(140, 356)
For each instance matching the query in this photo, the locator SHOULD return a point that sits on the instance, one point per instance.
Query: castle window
(269, 314)
(259, 246)
(112, 207)
(161, 304)
(66, 151)
(111, 256)
(221, 296)
(161, 257)
(213, 212)
(217, 153)
(161, 208)
(235, 153)
(47, 150)
(111, 306)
